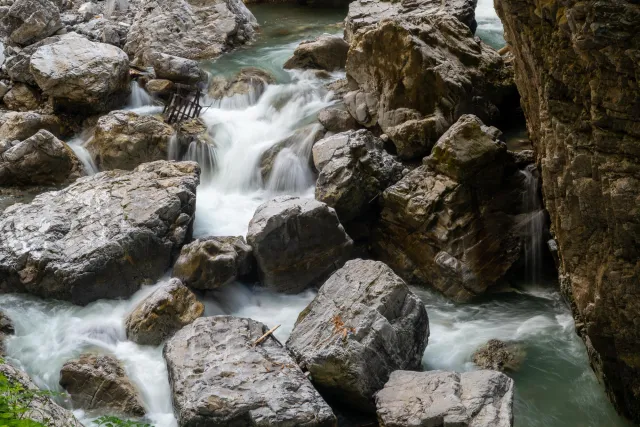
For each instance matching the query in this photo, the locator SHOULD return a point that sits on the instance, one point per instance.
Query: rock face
(99, 383)
(20, 126)
(297, 243)
(452, 223)
(81, 75)
(577, 70)
(358, 170)
(213, 262)
(220, 378)
(441, 399)
(28, 21)
(124, 139)
(324, 53)
(105, 234)
(499, 356)
(164, 312)
(418, 74)
(364, 324)
(39, 160)
(189, 29)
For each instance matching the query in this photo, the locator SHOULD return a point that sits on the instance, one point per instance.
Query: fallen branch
(265, 336)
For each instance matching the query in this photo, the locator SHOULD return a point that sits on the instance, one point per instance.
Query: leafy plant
(16, 403)
(108, 421)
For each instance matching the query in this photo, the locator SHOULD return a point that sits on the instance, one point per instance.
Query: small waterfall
(77, 145)
(173, 150)
(139, 97)
(205, 154)
(534, 226)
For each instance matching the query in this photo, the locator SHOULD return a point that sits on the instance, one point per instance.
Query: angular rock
(364, 324)
(161, 314)
(124, 140)
(499, 356)
(6, 330)
(99, 383)
(28, 21)
(441, 399)
(220, 378)
(456, 231)
(297, 243)
(81, 75)
(247, 86)
(213, 262)
(21, 98)
(18, 126)
(39, 160)
(177, 69)
(417, 74)
(337, 120)
(355, 174)
(324, 53)
(585, 129)
(159, 86)
(105, 234)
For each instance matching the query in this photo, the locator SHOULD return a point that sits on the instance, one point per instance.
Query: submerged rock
(364, 324)
(499, 356)
(104, 235)
(163, 313)
(323, 53)
(28, 21)
(213, 262)
(297, 243)
(99, 383)
(39, 160)
(6, 330)
(441, 399)
(220, 377)
(124, 140)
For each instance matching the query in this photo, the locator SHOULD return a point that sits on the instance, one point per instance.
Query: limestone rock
(28, 21)
(39, 160)
(355, 174)
(364, 324)
(213, 262)
(324, 53)
(297, 243)
(99, 383)
(81, 75)
(336, 120)
(499, 356)
(105, 234)
(159, 86)
(161, 314)
(124, 139)
(21, 98)
(177, 69)
(18, 126)
(577, 70)
(220, 378)
(247, 86)
(6, 329)
(440, 399)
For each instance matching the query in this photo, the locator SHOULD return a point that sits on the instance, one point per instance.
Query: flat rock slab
(102, 236)
(219, 378)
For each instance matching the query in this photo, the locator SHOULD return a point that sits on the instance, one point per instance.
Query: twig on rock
(265, 336)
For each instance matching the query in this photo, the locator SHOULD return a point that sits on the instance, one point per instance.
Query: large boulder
(21, 98)
(297, 243)
(442, 399)
(336, 120)
(213, 262)
(585, 129)
(355, 174)
(99, 383)
(323, 53)
(189, 29)
(161, 314)
(103, 236)
(124, 139)
(453, 222)
(416, 75)
(220, 377)
(177, 69)
(28, 21)
(364, 324)
(243, 89)
(18, 126)
(80, 75)
(39, 160)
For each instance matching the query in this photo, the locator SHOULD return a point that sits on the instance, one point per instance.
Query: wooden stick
(265, 336)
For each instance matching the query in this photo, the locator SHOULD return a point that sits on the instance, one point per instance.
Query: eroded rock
(337, 120)
(18, 126)
(499, 356)
(22, 98)
(28, 21)
(6, 330)
(177, 69)
(323, 53)
(243, 89)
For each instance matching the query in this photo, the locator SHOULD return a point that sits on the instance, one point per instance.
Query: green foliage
(107, 421)
(15, 403)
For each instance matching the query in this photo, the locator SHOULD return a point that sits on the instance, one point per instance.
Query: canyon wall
(578, 68)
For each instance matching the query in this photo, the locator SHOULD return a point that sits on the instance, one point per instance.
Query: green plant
(108, 421)
(16, 404)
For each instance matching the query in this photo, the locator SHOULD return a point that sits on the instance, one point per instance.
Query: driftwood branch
(265, 336)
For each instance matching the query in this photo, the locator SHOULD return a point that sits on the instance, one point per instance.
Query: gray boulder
(18, 126)
(21, 98)
(177, 69)
(213, 262)
(80, 75)
(297, 243)
(28, 21)
(99, 383)
(105, 234)
(39, 160)
(355, 174)
(161, 314)
(337, 120)
(364, 324)
(324, 53)
(219, 377)
(499, 356)
(442, 399)
(245, 87)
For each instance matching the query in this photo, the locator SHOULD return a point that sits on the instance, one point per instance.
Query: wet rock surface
(220, 378)
(499, 356)
(163, 313)
(297, 243)
(249, 84)
(440, 399)
(364, 324)
(99, 383)
(6, 330)
(327, 53)
(102, 236)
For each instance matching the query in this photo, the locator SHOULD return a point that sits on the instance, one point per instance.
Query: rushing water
(554, 385)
